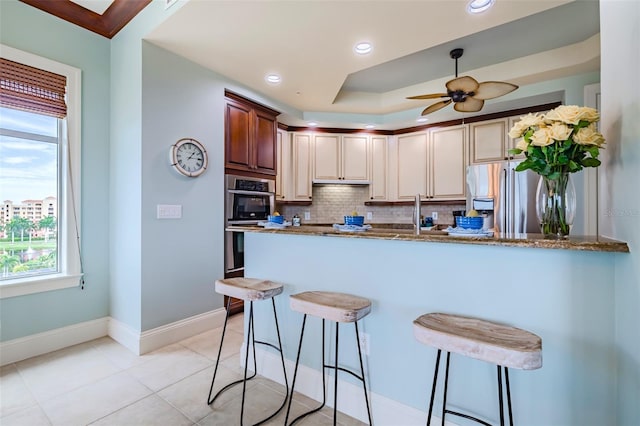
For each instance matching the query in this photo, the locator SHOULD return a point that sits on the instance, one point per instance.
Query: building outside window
(39, 174)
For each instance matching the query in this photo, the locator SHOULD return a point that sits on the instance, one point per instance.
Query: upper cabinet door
(489, 141)
(379, 163)
(447, 163)
(355, 157)
(412, 166)
(327, 157)
(237, 135)
(265, 143)
(250, 136)
(301, 176)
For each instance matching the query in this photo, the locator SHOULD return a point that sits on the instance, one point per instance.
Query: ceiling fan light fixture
(479, 6)
(363, 48)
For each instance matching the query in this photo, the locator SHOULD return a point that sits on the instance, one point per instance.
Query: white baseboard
(150, 340)
(385, 411)
(139, 343)
(48, 341)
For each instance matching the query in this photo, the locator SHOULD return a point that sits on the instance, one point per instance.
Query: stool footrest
(467, 416)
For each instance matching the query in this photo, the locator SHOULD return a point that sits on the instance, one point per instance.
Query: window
(39, 182)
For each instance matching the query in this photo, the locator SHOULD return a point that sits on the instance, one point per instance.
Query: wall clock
(189, 157)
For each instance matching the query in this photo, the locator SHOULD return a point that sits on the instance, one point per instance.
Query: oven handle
(256, 193)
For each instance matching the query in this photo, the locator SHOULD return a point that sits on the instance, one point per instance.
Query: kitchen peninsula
(559, 290)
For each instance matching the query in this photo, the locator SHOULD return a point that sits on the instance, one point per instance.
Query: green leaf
(591, 162)
(574, 167)
(563, 159)
(515, 151)
(554, 175)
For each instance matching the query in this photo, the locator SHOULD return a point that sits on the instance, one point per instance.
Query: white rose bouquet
(565, 140)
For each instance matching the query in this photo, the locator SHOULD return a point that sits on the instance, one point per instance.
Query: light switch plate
(307, 215)
(369, 215)
(169, 211)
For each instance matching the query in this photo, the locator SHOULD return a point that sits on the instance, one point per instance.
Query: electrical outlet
(369, 215)
(365, 343)
(434, 215)
(307, 215)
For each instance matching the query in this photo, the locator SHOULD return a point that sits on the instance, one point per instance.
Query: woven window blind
(31, 89)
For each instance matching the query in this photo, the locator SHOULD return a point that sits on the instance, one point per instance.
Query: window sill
(23, 286)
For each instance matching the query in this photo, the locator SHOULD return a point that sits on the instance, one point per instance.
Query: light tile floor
(102, 383)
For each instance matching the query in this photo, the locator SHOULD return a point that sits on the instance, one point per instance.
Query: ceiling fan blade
(493, 89)
(436, 106)
(466, 84)
(469, 105)
(430, 96)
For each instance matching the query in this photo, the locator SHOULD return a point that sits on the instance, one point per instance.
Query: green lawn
(24, 245)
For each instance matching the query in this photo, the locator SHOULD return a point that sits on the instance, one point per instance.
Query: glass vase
(556, 205)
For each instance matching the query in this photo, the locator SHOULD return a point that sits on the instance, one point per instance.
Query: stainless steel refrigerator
(506, 198)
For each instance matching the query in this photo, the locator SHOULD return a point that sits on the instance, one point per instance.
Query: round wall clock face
(189, 157)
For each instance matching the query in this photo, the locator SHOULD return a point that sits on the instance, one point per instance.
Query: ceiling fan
(467, 94)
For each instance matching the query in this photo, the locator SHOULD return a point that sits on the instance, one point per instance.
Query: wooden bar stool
(249, 289)
(507, 347)
(337, 307)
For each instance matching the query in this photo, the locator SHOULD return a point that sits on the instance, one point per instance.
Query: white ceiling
(97, 6)
(310, 44)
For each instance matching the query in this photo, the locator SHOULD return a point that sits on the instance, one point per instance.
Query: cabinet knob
(371, 198)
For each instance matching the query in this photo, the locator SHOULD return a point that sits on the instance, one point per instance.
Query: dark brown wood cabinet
(250, 136)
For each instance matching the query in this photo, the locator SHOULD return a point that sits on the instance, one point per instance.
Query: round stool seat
(484, 340)
(339, 307)
(248, 288)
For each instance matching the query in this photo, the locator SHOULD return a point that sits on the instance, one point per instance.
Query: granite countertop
(404, 232)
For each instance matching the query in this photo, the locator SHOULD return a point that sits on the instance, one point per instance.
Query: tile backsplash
(332, 202)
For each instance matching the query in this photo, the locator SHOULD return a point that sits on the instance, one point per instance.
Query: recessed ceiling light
(479, 6)
(363, 48)
(422, 119)
(370, 126)
(312, 124)
(273, 78)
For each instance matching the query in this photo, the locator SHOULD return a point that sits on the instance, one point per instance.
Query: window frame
(69, 214)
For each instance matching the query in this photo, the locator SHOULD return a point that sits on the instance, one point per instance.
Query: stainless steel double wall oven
(248, 201)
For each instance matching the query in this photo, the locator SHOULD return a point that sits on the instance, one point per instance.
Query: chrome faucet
(416, 215)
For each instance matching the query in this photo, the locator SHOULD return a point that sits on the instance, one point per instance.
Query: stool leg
(364, 384)
(215, 370)
(446, 382)
(335, 381)
(506, 377)
(250, 339)
(295, 370)
(500, 396)
(433, 388)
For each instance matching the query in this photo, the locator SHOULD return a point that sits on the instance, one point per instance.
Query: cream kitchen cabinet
(301, 167)
(447, 166)
(283, 162)
(432, 164)
(411, 174)
(340, 158)
(378, 149)
(489, 140)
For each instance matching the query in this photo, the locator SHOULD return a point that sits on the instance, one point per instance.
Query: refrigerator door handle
(505, 194)
(514, 220)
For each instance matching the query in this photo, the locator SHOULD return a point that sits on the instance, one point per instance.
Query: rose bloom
(520, 127)
(588, 136)
(572, 114)
(560, 131)
(522, 145)
(542, 137)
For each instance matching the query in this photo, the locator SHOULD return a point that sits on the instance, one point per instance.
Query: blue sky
(28, 168)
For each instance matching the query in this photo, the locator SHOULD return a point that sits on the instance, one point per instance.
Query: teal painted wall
(26, 28)
(564, 296)
(619, 203)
